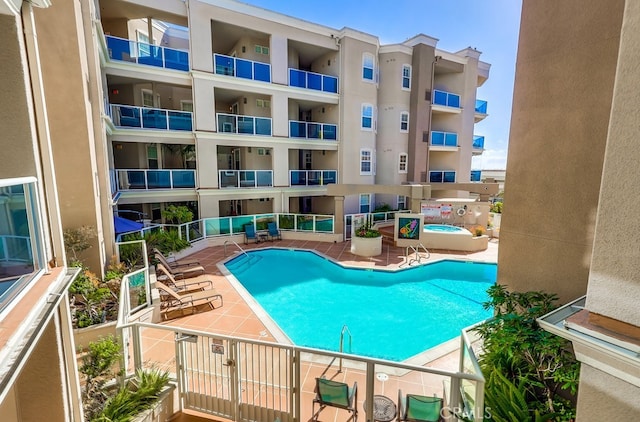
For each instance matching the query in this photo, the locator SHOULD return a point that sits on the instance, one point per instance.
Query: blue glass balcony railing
(447, 99)
(143, 179)
(313, 130)
(122, 49)
(476, 175)
(312, 177)
(241, 68)
(442, 177)
(150, 118)
(311, 80)
(481, 106)
(446, 139)
(246, 178)
(478, 142)
(245, 125)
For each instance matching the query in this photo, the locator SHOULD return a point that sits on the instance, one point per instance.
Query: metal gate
(238, 380)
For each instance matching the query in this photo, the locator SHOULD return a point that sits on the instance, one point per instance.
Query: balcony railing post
(166, 116)
(164, 62)
(171, 178)
(146, 179)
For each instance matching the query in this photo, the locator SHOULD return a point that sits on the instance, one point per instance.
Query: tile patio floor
(236, 318)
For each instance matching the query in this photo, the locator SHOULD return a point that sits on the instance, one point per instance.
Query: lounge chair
(273, 231)
(249, 233)
(179, 273)
(200, 282)
(335, 394)
(172, 301)
(174, 263)
(415, 408)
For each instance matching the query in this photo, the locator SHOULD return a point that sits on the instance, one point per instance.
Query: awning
(122, 225)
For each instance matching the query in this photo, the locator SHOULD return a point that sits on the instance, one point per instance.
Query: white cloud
(491, 159)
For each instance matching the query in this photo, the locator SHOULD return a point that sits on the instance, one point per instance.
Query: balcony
(142, 179)
(241, 68)
(150, 118)
(246, 178)
(125, 50)
(311, 80)
(478, 144)
(312, 177)
(244, 125)
(446, 99)
(442, 176)
(481, 110)
(444, 139)
(313, 130)
(476, 175)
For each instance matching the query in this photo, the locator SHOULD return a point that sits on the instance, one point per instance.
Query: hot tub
(443, 236)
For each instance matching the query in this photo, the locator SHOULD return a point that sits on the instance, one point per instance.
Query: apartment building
(231, 109)
(38, 373)
(572, 196)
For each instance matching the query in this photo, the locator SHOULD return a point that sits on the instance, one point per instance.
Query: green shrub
(496, 207)
(97, 368)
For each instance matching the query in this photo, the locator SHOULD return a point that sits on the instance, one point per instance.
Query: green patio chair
(415, 408)
(335, 394)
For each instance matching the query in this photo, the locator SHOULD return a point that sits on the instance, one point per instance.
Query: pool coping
(422, 358)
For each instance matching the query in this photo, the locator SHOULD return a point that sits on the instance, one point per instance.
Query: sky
(490, 26)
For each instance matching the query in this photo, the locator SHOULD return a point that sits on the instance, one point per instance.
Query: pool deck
(236, 318)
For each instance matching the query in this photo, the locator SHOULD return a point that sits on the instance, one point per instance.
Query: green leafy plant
(366, 230)
(383, 207)
(177, 214)
(496, 207)
(97, 368)
(92, 301)
(478, 231)
(515, 346)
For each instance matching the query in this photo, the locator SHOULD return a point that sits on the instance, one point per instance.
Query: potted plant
(366, 241)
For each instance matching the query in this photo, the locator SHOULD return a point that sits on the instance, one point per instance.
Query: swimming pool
(391, 315)
(444, 228)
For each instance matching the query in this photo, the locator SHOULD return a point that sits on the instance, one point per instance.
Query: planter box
(83, 336)
(366, 246)
(162, 410)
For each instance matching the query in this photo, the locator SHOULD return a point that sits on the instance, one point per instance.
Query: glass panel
(136, 180)
(330, 84)
(449, 177)
(324, 224)
(129, 116)
(366, 122)
(435, 177)
(454, 101)
(437, 138)
(286, 221)
(154, 119)
(314, 81)
(367, 73)
(224, 65)
(451, 139)
(440, 97)
(137, 290)
(184, 179)
(262, 72)
(329, 177)
(244, 69)
(264, 178)
(314, 177)
(120, 49)
(238, 223)
(478, 141)
(179, 120)
(297, 78)
(176, 59)
(304, 222)
(245, 125)
(297, 129)
(313, 131)
(481, 106)
(263, 126)
(229, 179)
(476, 175)
(247, 179)
(298, 178)
(227, 123)
(217, 226)
(159, 179)
(150, 55)
(330, 132)
(16, 258)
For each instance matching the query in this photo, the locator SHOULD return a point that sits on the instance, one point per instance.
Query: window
(404, 122)
(367, 67)
(406, 76)
(147, 98)
(143, 44)
(152, 156)
(367, 116)
(260, 49)
(402, 162)
(263, 103)
(365, 162)
(402, 202)
(186, 105)
(365, 202)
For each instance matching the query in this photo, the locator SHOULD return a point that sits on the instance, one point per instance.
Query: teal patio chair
(415, 408)
(335, 394)
(249, 233)
(273, 231)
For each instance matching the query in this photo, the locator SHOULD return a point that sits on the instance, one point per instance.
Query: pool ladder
(238, 246)
(345, 330)
(416, 251)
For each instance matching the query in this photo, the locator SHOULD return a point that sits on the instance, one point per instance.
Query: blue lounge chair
(335, 394)
(249, 233)
(415, 408)
(273, 231)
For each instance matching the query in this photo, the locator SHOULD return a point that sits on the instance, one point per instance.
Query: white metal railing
(245, 178)
(369, 218)
(149, 179)
(244, 125)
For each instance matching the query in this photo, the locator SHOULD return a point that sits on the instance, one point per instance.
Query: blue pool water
(442, 228)
(391, 315)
